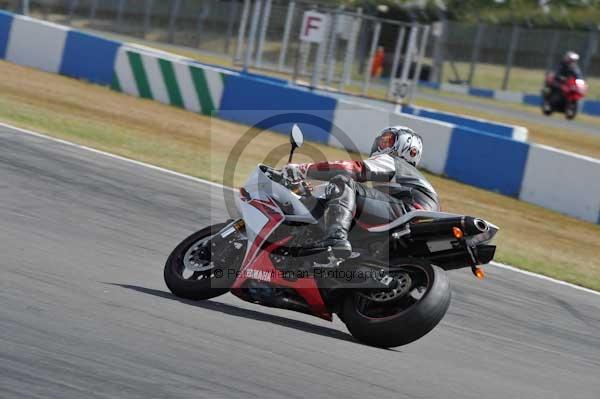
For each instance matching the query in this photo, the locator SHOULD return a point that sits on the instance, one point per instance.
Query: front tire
(571, 110)
(408, 324)
(199, 285)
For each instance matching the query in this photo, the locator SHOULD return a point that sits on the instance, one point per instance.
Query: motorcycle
(562, 95)
(392, 290)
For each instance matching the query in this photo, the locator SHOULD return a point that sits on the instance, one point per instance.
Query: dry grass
(531, 237)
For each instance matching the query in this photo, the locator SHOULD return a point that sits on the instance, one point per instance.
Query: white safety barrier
(563, 181)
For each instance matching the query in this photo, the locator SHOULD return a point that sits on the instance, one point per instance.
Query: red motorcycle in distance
(563, 95)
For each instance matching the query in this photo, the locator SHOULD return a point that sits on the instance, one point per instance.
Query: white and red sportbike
(393, 290)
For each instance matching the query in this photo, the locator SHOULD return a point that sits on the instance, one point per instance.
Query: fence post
(286, 34)
(93, 9)
(591, 49)
(320, 57)
(396, 60)
(369, 66)
(149, 4)
(242, 32)
(120, 10)
(73, 4)
(475, 53)
(552, 53)
(332, 46)
(233, 11)
(252, 35)
(514, 40)
(263, 32)
(417, 75)
(202, 16)
(25, 7)
(176, 4)
(440, 31)
(351, 49)
(408, 56)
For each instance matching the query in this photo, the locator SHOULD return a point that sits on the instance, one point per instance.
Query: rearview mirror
(296, 138)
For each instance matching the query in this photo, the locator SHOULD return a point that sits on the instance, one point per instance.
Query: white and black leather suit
(349, 197)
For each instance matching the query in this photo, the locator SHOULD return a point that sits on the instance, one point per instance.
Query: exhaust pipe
(470, 226)
(481, 225)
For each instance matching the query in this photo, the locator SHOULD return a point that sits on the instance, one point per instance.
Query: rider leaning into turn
(392, 164)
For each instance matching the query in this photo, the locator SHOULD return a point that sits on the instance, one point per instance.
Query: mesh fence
(463, 53)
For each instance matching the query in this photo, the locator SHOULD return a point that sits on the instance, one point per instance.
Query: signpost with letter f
(314, 29)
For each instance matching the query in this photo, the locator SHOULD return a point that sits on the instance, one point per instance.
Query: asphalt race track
(84, 312)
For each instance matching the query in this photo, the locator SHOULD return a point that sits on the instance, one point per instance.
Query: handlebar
(300, 187)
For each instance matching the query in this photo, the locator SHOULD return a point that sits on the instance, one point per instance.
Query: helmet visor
(386, 141)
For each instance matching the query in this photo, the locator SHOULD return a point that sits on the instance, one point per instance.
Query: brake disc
(197, 258)
(400, 286)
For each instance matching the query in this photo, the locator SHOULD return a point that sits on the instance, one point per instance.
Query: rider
(395, 154)
(568, 67)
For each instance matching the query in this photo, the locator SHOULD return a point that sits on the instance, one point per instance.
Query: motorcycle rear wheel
(404, 321)
(197, 285)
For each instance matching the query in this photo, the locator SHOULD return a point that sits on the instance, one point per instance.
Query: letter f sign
(314, 27)
(312, 22)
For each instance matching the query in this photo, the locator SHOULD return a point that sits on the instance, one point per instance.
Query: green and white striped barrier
(169, 79)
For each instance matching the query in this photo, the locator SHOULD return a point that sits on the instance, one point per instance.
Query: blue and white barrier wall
(518, 133)
(55, 48)
(555, 179)
(552, 178)
(589, 107)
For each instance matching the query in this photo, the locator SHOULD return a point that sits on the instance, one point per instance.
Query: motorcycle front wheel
(400, 316)
(197, 269)
(571, 110)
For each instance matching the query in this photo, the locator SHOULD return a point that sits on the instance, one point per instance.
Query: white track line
(541, 276)
(197, 179)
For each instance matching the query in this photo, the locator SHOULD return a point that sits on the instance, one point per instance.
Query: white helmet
(399, 141)
(571, 57)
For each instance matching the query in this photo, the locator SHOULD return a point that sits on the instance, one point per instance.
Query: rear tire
(409, 324)
(214, 282)
(546, 109)
(546, 104)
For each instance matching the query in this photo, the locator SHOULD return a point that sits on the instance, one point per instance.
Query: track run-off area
(84, 311)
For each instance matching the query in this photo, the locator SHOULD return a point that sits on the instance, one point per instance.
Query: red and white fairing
(262, 216)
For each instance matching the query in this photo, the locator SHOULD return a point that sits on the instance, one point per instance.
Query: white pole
(321, 50)
(423, 48)
(350, 50)
(408, 60)
(25, 7)
(396, 61)
(263, 32)
(252, 36)
(242, 32)
(332, 45)
(286, 34)
(369, 66)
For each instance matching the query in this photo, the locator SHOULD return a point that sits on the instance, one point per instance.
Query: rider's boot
(339, 213)
(338, 220)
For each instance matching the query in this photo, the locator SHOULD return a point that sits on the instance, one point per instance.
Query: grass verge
(531, 237)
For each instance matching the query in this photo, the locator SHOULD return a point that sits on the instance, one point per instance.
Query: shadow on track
(246, 313)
